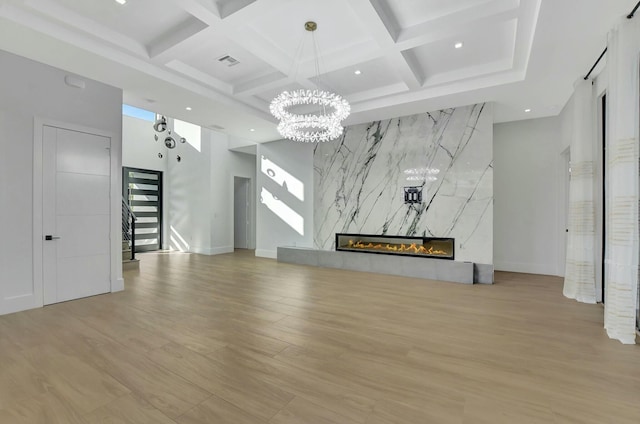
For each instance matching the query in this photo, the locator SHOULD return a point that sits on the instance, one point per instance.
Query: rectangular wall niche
(428, 247)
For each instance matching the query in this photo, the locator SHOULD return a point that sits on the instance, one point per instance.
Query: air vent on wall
(228, 60)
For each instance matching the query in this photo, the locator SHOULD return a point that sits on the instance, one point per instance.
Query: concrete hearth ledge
(405, 266)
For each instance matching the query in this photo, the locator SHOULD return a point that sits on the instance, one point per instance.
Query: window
(135, 112)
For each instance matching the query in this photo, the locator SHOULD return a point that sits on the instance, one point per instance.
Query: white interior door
(76, 254)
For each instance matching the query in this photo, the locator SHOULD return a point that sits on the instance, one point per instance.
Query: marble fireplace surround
(360, 181)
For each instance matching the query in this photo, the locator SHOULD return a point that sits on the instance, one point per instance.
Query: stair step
(126, 255)
(128, 265)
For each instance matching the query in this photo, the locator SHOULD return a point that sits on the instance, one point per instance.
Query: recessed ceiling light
(188, 108)
(121, 1)
(458, 45)
(527, 110)
(358, 72)
(252, 130)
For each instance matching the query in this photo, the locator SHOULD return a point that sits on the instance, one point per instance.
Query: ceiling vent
(228, 60)
(216, 127)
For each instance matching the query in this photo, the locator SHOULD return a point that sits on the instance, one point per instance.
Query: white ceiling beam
(381, 7)
(382, 26)
(455, 24)
(258, 85)
(88, 26)
(377, 92)
(234, 27)
(205, 11)
(349, 56)
(409, 71)
(254, 11)
(175, 36)
(501, 65)
(527, 22)
(199, 76)
(431, 92)
(97, 47)
(229, 8)
(194, 41)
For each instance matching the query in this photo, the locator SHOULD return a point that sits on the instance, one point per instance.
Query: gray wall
(279, 211)
(528, 188)
(30, 90)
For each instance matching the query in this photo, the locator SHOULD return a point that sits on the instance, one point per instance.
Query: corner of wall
(117, 285)
(263, 253)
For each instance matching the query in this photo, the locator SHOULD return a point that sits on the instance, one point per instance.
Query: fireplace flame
(413, 248)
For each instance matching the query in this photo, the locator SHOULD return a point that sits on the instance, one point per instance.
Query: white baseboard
(212, 250)
(19, 303)
(117, 285)
(221, 250)
(263, 253)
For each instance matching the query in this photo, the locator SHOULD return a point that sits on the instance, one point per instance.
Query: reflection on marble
(360, 179)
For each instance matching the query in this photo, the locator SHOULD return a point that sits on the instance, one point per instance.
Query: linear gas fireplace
(428, 247)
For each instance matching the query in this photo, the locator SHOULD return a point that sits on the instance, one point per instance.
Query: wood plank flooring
(241, 340)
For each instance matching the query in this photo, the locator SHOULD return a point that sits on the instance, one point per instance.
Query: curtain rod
(633, 12)
(629, 16)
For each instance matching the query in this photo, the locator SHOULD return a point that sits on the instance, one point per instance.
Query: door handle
(50, 237)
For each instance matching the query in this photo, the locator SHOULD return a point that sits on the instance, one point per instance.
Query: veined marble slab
(359, 180)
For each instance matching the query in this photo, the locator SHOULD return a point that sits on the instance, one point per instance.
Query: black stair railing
(129, 228)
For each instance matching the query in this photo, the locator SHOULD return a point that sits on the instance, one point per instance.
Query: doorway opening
(142, 189)
(565, 172)
(603, 197)
(242, 217)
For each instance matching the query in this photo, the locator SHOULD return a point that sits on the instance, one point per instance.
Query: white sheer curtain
(621, 264)
(579, 280)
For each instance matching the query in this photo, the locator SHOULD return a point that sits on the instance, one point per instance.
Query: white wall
(189, 185)
(198, 191)
(30, 90)
(527, 209)
(140, 150)
(274, 225)
(226, 165)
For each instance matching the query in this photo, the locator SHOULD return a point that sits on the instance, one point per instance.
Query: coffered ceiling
(170, 54)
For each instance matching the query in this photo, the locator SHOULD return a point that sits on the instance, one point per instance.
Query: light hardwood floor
(240, 340)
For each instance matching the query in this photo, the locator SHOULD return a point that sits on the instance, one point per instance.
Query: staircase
(129, 261)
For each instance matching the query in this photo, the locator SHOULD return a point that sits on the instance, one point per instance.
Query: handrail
(126, 205)
(129, 227)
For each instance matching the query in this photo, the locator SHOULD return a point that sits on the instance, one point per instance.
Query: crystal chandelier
(324, 125)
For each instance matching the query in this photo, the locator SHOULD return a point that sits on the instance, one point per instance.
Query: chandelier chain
(321, 107)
